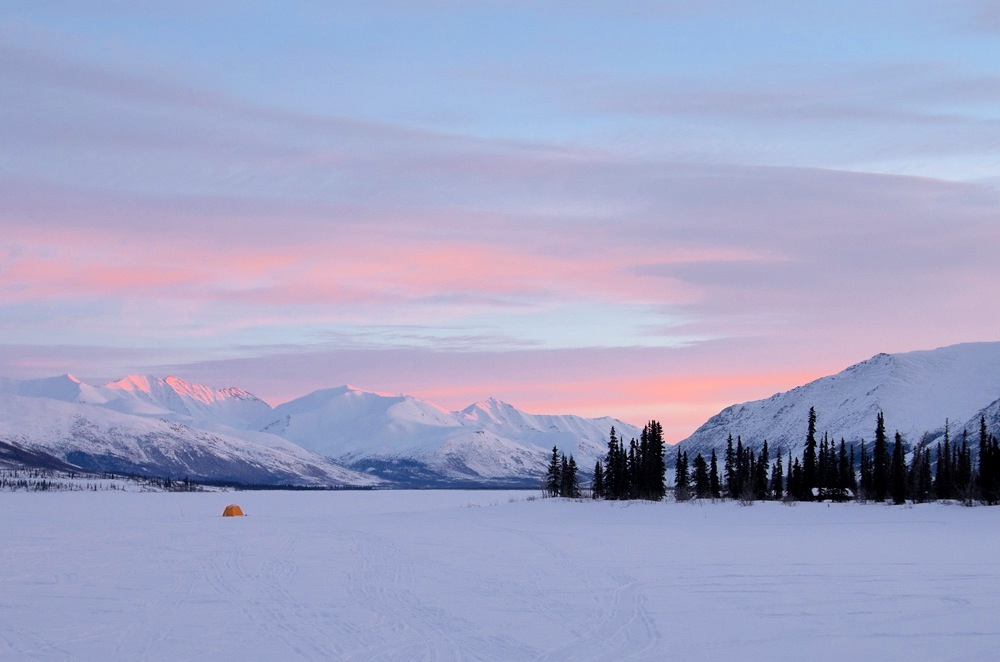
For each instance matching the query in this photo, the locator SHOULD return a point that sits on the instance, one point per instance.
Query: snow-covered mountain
(231, 406)
(412, 441)
(114, 429)
(917, 391)
(145, 424)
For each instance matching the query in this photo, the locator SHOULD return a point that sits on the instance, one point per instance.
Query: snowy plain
(480, 575)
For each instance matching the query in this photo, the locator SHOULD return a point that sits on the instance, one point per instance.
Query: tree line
(633, 470)
(826, 470)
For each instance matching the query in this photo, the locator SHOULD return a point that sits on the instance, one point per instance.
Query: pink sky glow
(652, 211)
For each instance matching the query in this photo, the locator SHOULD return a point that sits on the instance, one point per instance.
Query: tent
(232, 510)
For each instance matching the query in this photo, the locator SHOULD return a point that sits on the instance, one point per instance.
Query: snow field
(443, 575)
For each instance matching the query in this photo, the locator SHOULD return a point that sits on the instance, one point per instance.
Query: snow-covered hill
(917, 391)
(100, 439)
(412, 441)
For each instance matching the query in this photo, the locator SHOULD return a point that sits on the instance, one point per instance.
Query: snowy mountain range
(917, 392)
(120, 430)
(410, 441)
(334, 437)
(347, 436)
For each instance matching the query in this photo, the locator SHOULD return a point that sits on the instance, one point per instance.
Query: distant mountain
(917, 391)
(169, 427)
(413, 442)
(96, 438)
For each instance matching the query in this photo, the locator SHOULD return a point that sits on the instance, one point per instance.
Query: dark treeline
(829, 470)
(635, 470)
(561, 478)
(826, 470)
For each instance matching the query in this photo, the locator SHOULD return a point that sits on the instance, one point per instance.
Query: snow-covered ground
(492, 576)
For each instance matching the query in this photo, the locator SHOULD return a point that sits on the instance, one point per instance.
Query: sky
(650, 210)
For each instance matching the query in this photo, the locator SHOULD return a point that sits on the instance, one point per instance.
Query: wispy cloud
(662, 222)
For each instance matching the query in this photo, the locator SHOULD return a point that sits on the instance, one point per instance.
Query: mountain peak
(133, 383)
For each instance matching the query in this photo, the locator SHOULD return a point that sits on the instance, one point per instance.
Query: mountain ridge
(387, 437)
(917, 392)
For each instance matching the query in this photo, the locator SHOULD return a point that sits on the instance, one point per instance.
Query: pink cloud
(360, 270)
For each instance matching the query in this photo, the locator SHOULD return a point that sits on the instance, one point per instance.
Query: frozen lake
(490, 576)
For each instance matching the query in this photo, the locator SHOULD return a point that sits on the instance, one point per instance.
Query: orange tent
(232, 510)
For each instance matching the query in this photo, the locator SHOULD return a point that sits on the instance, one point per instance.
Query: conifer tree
(714, 477)
(822, 466)
(777, 479)
(597, 490)
(572, 481)
(867, 486)
(844, 468)
(943, 479)
(681, 484)
(919, 478)
(809, 464)
(702, 484)
(880, 461)
(610, 474)
(553, 478)
(963, 482)
(655, 466)
(852, 477)
(898, 472)
(564, 483)
(926, 485)
(730, 468)
(740, 469)
(633, 470)
(989, 463)
(795, 486)
(760, 473)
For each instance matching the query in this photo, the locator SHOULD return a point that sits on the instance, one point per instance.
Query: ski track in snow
(488, 576)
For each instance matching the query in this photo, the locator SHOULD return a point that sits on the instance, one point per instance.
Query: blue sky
(645, 209)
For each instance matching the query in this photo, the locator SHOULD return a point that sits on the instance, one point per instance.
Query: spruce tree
(553, 478)
(795, 481)
(760, 473)
(866, 488)
(597, 489)
(852, 477)
(632, 470)
(944, 480)
(844, 468)
(963, 484)
(572, 482)
(809, 463)
(566, 480)
(656, 467)
(898, 472)
(681, 487)
(777, 479)
(925, 483)
(989, 463)
(730, 468)
(702, 484)
(714, 477)
(740, 469)
(880, 461)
